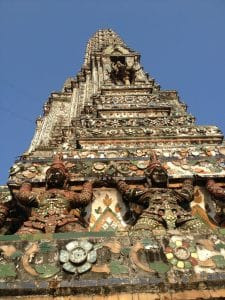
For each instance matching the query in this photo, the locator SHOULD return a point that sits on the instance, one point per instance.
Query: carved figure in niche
(157, 206)
(121, 73)
(56, 209)
(219, 197)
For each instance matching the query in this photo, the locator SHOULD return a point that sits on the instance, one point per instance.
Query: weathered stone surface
(33, 267)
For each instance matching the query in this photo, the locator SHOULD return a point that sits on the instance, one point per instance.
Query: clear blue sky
(42, 42)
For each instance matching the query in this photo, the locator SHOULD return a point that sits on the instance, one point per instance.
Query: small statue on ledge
(157, 206)
(56, 209)
(121, 73)
(218, 194)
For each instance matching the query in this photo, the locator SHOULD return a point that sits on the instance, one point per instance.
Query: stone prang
(120, 194)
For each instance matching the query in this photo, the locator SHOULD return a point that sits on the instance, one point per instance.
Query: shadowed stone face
(159, 176)
(55, 178)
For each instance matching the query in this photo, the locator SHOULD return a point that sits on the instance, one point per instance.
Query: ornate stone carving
(146, 131)
(121, 73)
(125, 100)
(136, 122)
(56, 208)
(218, 193)
(157, 206)
(78, 256)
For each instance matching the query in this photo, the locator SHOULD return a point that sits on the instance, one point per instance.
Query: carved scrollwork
(142, 131)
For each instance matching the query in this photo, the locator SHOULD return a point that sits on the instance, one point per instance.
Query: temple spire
(100, 40)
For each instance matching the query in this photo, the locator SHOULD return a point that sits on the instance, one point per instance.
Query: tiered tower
(110, 127)
(110, 113)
